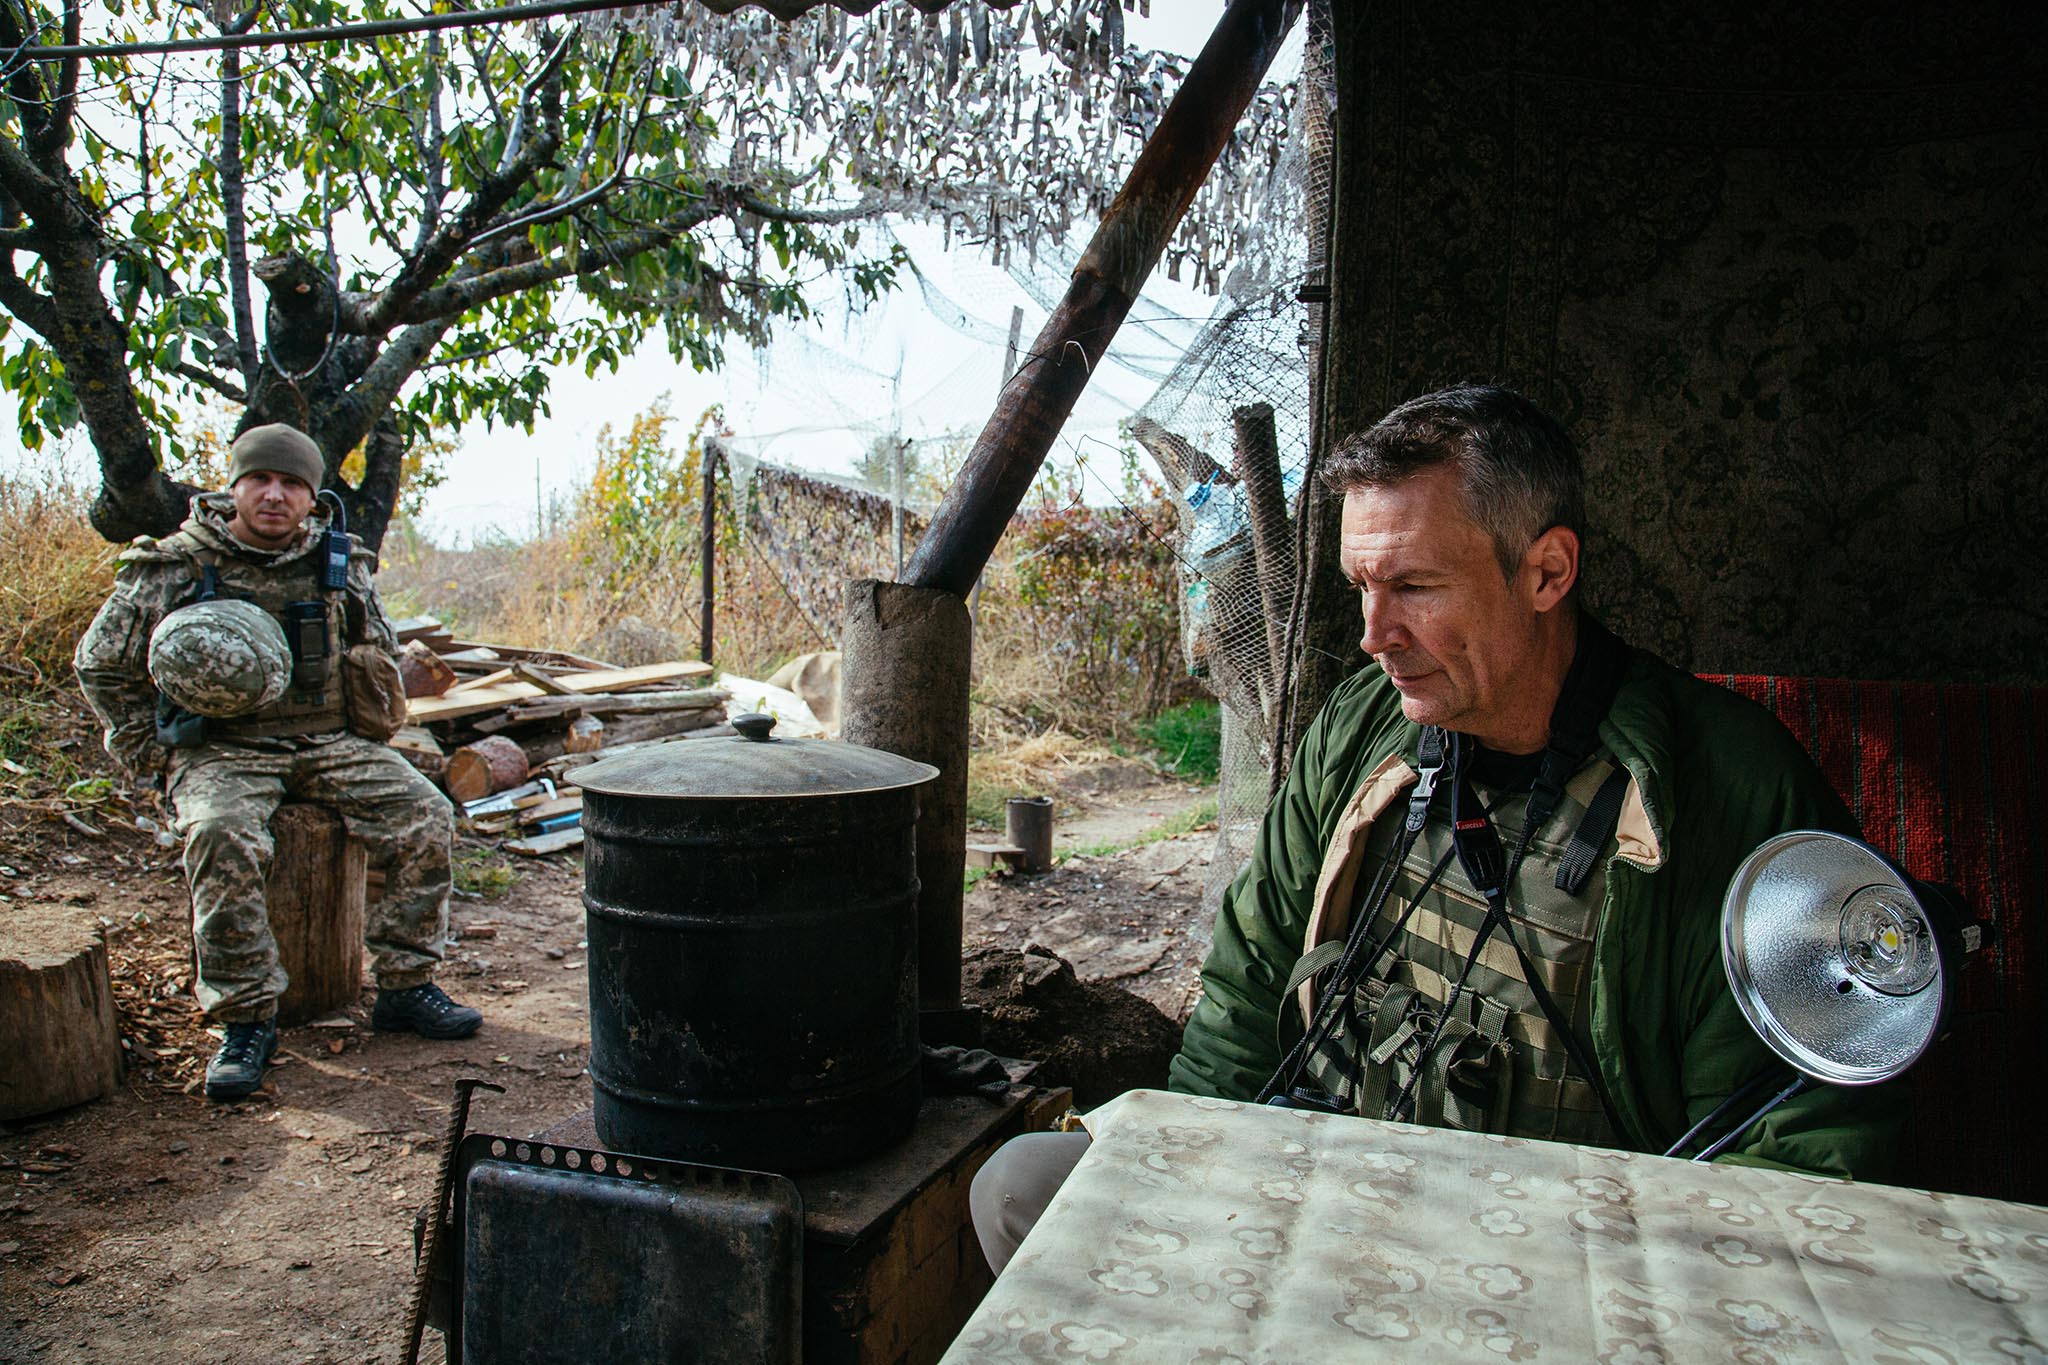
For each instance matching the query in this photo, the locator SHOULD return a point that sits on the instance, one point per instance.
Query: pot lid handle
(754, 725)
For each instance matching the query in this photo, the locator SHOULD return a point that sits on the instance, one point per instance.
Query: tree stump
(492, 764)
(315, 896)
(56, 1011)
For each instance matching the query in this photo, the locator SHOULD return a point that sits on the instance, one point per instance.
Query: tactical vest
(1499, 1066)
(312, 704)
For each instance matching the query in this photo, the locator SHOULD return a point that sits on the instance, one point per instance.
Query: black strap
(1599, 663)
(1430, 762)
(1491, 871)
(1563, 1028)
(1602, 814)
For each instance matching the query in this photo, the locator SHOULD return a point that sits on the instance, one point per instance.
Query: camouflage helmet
(220, 658)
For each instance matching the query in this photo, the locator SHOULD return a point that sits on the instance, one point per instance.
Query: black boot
(425, 1010)
(237, 1067)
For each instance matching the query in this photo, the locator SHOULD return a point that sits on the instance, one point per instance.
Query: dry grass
(1005, 765)
(545, 594)
(54, 573)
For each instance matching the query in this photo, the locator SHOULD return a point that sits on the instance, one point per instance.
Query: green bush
(1188, 739)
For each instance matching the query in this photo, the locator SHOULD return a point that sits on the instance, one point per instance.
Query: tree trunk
(305, 383)
(56, 1011)
(315, 895)
(492, 764)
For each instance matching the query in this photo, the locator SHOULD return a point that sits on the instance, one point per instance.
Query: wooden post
(56, 1011)
(1009, 373)
(903, 686)
(1125, 248)
(315, 895)
(709, 558)
(1256, 453)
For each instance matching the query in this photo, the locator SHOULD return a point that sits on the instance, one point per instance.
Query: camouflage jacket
(158, 576)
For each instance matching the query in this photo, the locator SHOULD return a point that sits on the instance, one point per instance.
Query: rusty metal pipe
(1122, 254)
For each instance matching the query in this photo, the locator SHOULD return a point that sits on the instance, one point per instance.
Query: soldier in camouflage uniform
(265, 541)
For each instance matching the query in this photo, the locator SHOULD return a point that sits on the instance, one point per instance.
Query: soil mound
(1095, 1037)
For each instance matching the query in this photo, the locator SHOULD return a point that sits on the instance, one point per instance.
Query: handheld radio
(334, 571)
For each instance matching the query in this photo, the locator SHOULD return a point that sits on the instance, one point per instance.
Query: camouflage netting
(1248, 367)
(1012, 127)
(1028, 120)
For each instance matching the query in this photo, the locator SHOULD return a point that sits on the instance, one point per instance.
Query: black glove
(965, 1071)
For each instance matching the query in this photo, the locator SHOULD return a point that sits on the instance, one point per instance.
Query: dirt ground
(156, 1225)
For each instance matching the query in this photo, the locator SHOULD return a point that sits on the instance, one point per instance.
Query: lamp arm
(1727, 1139)
(1747, 1092)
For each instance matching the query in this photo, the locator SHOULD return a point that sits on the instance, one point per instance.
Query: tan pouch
(373, 691)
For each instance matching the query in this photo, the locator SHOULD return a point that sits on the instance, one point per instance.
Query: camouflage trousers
(224, 795)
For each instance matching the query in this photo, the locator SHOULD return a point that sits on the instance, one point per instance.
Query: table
(1202, 1230)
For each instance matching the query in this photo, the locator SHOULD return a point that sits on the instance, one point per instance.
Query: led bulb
(1888, 942)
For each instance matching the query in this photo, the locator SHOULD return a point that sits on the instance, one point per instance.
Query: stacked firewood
(501, 728)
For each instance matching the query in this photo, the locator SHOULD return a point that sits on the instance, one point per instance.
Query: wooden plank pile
(501, 728)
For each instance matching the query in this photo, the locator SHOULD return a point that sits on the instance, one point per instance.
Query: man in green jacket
(1595, 1009)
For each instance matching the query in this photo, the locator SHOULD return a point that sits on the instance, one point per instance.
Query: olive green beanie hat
(279, 449)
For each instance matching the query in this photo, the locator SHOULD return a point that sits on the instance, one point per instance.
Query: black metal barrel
(752, 909)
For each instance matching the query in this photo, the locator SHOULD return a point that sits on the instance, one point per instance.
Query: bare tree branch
(210, 380)
(569, 206)
(25, 182)
(379, 230)
(56, 132)
(781, 213)
(393, 304)
(350, 420)
(39, 311)
(435, 158)
(461, 294)
(25, 78)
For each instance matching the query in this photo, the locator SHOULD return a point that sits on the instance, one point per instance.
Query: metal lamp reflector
(1832, 954)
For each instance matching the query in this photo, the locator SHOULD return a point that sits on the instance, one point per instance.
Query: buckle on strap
(1430, 755)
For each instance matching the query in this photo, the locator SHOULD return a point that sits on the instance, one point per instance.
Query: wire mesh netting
(1230, 429)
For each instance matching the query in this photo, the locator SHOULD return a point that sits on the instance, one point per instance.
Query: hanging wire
(332, 33)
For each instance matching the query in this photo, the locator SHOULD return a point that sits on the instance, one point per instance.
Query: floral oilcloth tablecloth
(1202, 1230)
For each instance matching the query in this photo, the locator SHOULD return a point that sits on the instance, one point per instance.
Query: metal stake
(430, 1235)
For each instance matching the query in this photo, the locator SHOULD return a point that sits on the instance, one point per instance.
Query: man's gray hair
(1519, 472)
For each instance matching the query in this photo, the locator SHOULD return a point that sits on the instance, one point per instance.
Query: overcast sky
(925, 361)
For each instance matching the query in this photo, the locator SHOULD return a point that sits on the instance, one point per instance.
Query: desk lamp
(1842, 962)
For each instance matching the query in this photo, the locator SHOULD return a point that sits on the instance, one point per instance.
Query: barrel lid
(753, 764)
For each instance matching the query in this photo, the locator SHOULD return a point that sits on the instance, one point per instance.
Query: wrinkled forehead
(1418, 525)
